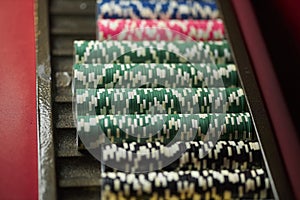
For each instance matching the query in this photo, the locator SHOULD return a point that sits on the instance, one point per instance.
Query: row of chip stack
(159, 103)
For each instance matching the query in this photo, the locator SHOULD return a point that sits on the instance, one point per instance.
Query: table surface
(18, 158)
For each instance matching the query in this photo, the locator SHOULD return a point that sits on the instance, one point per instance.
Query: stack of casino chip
(128, 52)
(166, 109)
(156, 9)
(198, 155)
(168, 30)
(159, 100)
(166, 128)
(177, 75)
(190, 184)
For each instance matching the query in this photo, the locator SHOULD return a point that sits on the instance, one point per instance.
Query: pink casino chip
(167, 30)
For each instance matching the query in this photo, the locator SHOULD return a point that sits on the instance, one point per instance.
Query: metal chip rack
(77, 174)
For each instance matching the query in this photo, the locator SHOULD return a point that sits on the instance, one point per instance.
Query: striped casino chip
(152, 52)
(92, 76)
(205, 184)
(193, 155)
(159, 101)
(167, 30)
(157, 9)
(165, 128)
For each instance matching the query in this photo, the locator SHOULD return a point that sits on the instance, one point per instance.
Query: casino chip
(176, 75)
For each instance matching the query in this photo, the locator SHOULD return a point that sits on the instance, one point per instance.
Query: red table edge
(18, 130)
(285, 131)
